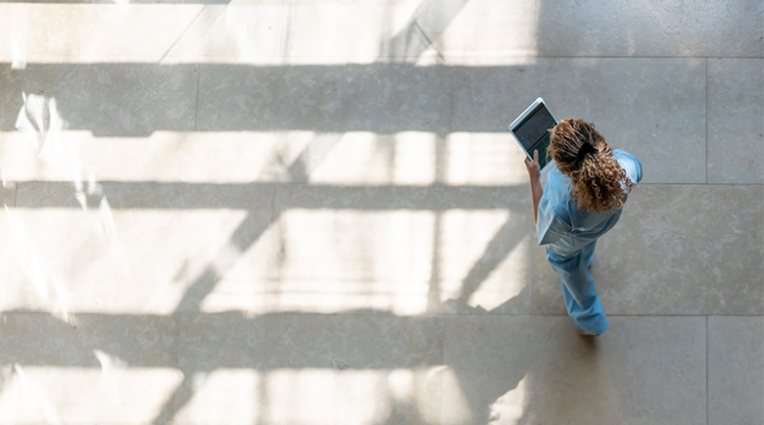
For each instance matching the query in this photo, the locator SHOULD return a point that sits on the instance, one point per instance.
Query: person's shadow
(516, 369)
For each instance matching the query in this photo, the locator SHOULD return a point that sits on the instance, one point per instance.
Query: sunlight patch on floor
(56, 395)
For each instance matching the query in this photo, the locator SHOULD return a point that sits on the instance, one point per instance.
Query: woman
(582, 200)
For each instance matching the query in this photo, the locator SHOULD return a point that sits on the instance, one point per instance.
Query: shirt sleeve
(638, 170)
(631, 165)
(549, 228)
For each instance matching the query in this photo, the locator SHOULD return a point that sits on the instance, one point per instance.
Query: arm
(534, 173)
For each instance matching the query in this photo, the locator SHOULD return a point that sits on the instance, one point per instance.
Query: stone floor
(311, 212)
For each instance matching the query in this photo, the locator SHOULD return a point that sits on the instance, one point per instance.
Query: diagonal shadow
(493, 255)
(311, 157)
(265, 343)
(374, 198)
(436, 197)
(496, 251)
(427, 24)
(248, 232)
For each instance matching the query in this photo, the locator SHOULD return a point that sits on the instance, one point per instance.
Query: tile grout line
(609, 315)
(443, 361)
(364, 185)
(381, 312)
(180, 341)
(169, 49)
(10, 257)
(530, 276)
(537, 12)
(344, 58)
(706, 370)
(28, 34)
(701, 184)
(642, 57)
(273, 204)
(196, 106)
(341, 60)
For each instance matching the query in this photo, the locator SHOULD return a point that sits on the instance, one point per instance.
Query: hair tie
(585, 149)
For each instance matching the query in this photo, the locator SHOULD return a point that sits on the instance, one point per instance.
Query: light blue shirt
(562, 225)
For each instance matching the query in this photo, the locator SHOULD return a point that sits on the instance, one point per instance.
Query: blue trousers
(581, 298)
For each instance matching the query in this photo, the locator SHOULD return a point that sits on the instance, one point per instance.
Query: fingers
(535, 160)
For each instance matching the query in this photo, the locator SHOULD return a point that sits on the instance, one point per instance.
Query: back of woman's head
(582, 154)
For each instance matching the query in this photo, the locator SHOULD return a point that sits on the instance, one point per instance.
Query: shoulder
(558, 187)
(557, 179)
(630, 164)
(558, 192)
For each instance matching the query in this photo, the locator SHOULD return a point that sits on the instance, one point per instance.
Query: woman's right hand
(534, 170)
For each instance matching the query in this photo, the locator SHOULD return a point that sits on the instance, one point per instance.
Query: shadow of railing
(134, 100)
(205, 2)
(268, 202)
(359, 340)
(182, 196)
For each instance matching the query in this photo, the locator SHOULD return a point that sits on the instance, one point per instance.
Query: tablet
(531, 129)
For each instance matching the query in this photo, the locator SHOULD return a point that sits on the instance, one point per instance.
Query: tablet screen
(532, 133)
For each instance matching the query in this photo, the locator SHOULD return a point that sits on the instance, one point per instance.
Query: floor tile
(460, 246)
(8, 198)
(163, 156)
(235, 30)
(735, 121)
(107, 29)
(652, 108)
(308, 368)
(316, 32)
(358, 33)
(484, 159)
(735, 369)
(136, 248)
(107, 99)
(8, 194)
(355, 158)
(623, 28)
(309, 212)
(479, 28)
(671, 254)
(381, 98)
(14, 39)
(644, 370)
(87, 368)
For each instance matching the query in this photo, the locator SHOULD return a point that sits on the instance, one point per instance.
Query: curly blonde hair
(598, 180)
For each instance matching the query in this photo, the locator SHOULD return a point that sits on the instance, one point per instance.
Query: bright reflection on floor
(450, 31)
(58, 395)
(50, 289)
(349, 158)
(344, 260)
(313, 396)
(226, 221)
(319, 259)
(509, 408)
(66, 249)
(456, 409)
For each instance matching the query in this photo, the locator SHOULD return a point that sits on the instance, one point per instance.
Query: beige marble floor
(310, 212)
